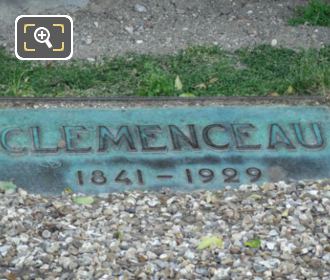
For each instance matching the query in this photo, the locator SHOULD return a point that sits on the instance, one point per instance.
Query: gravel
(111, 27)
(141, 235)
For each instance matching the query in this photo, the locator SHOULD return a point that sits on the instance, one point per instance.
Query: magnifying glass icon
(41, 35)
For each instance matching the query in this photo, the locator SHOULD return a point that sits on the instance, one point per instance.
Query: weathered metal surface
(96, 150)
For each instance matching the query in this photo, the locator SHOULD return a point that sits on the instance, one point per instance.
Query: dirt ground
(110, 27)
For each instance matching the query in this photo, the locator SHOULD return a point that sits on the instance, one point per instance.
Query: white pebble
(273, 43)
(46, 234)
(189, 255)
(163, 256)
(140, 8)
(129, 29)
(270, 245)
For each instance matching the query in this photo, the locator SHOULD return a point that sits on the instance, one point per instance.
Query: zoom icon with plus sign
(43, 37)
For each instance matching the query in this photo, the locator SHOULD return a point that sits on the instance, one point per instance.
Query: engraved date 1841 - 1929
(190, 176)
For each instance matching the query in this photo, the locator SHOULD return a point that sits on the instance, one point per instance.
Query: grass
(202, 71)
(316, 12)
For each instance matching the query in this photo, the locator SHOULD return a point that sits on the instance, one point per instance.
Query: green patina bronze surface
(97, 150)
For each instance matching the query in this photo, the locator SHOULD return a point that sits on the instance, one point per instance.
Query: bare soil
(111, 27)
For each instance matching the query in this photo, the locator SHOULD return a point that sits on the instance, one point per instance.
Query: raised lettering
(207, 138)
(72, 135)
(148, 135)
(36, 140)
(242, 133)
(277, 137)
(6, 134)
(302, 138)
(123, 136)
(179, 137)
